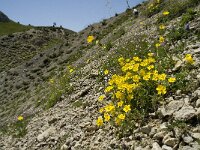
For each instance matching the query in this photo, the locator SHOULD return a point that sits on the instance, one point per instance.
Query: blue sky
(71, 14)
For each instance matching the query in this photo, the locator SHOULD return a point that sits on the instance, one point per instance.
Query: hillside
(3, 17)
(133, 85)
(7, 26)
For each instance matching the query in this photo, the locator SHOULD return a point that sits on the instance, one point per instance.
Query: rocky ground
(70, 124)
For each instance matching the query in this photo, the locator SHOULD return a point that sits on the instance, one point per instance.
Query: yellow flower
(51, 81)
(161, 27)
(162, 76)
(101, 110)
(127, 108)
(121, 61)
(135, 67)
(88, 61)
(99, 121)
(108, 89)
(144, 63)
(172, 79)
(189, 59)
(106, 117)
(106, 72)
(90, 38)
(150, 67)
(161, 39)
(117, 121)
(130, 97)
(101, 97)
(161, 89)
(109, 108)
(157, 45)
(165, 13)
(119, 95)
(136, 78)
(20, 118)
(147, 76)
(119, 104)
(71, 70)
(150, 54)
(121, 116)
(136, 58)
(127, 60)
(155, 76)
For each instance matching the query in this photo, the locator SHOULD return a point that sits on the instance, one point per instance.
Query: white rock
(165, 147)
(178, 132)
(187, 148)
(197, 93)
(196, 51)
(46, 134)
(146, 129)
(156, 146)
(185, 113)
(170, 142)
(163, 126)
(198, 103)
(178, 65)
(64, 147)
(178, 92)
(159, 135)
(187, 139)
(171, 107)
(198, 112)
(196, 135)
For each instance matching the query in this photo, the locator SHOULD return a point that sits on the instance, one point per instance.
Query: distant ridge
(3, 17)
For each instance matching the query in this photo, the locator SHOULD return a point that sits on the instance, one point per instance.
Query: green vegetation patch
(12, 27)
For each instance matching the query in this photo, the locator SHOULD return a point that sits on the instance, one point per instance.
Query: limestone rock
(170, 142)
(171, 108)
(198, 103)
(156, 146)
(165, 147)
(187, 139)
(185, 113)
(46, 134)
(146, 129)
(196, 135)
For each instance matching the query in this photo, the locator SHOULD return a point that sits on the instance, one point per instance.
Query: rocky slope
(70, 124)
(25, 63)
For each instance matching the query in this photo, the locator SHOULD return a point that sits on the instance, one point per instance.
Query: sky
(71, 14)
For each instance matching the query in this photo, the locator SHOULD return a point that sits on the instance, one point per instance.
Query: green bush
(176, 8)
(153, 8)
(188, 16)
(58, 87)
(178, 34)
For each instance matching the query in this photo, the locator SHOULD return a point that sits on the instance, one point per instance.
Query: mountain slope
(80, 78)
(3, 17)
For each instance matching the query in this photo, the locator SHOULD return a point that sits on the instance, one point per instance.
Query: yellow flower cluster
(136, 74)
